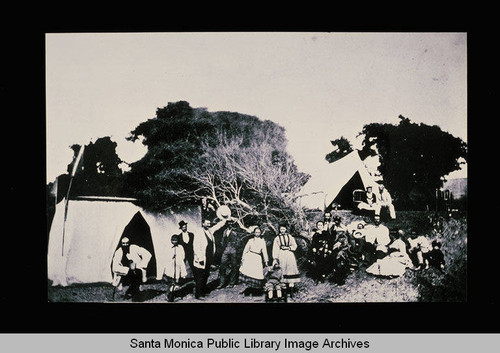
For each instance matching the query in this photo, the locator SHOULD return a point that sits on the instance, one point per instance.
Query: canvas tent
(81, 249)
(335, 182)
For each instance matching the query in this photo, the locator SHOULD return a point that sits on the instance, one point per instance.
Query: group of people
(335, 250)
(376, 203)
(196, 254)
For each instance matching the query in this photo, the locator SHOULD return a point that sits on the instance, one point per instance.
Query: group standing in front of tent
(335, 251)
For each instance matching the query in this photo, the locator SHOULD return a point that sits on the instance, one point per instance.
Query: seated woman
(392, 261)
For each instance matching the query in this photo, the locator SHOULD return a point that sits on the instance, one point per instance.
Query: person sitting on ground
(175, 268)
(355, 249)
(392, 261)
(273, 285)
(341, 261)
(376, 236)
(385, 201)
(380, 232)
(129, 264)
(338, 226)
(436, 256)
(369, 201)
(419, 250)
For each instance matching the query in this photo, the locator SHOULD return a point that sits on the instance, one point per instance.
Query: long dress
(175, 267)
(286, 257)
(252, 269)
(394, 264)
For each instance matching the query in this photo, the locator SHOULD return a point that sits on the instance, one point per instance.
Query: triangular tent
(139, 233)
(81, 249)
(335, 182)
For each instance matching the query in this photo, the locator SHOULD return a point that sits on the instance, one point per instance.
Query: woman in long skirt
(252, 263)
(284, 246)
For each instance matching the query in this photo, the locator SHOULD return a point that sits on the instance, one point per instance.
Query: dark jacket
(188, 247)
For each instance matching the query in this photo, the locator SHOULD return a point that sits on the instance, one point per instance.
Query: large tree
(99, 173)
(229, 157)
(414, 158)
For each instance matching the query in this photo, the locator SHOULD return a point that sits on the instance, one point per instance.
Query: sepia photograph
(256, 167)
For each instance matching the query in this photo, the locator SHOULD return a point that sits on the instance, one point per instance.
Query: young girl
(273, 276)
(175, 268)
(284, 246)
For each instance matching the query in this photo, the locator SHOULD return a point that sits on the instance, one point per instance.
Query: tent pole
(73, 172)
(65, 216)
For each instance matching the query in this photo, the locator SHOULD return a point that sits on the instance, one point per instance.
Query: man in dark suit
(230, 259)
(186, 240)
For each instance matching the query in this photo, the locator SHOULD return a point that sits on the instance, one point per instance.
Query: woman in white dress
(393, 264)
(252, 263)
(284, 246)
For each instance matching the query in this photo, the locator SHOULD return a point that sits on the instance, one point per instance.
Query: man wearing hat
(186, 240)
(230, 259)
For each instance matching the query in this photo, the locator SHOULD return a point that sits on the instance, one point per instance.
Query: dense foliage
(230, 158)
(414, 158)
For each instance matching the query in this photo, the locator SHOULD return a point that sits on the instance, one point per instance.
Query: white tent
(81, 248)
(326, 184)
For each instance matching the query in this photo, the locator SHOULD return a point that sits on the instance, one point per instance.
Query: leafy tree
(98, 173)
(342, 147)
(413, 159)
(230, 158)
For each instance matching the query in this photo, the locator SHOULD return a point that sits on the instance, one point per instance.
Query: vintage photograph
(256, 167)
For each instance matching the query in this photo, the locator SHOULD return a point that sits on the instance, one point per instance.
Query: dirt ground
(427, 285)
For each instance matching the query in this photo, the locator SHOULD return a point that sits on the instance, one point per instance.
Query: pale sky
(317, 85)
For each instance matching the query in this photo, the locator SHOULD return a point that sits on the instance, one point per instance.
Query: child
(273, 284)
(419, 250)
(436, 256)
(175, 269)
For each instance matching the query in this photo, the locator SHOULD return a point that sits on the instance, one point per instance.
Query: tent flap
(93, 229)
(325, 186)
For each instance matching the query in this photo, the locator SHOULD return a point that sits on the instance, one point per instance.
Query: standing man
(186, 239)
(204, 254)
(229, 264)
